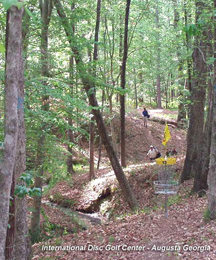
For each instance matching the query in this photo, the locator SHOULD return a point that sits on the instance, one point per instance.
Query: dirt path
(139, 138)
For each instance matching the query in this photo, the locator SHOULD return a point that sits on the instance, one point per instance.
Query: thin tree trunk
(91, 145)
(100, 142)
(188, 45)
(159, 105)
(135, 89)
(123, 83)
(70, 168)
(95, 58)
(88, 85)
(46, 9)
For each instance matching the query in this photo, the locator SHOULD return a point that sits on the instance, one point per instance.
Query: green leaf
(27, 178)
(8, 3)
(2, 48)
(20, 5)
(29, 12)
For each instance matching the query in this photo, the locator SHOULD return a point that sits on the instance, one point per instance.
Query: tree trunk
(88, 85)
(181, 107)
(200, 181)
(91, 146)
(9, 246)
(95, 58)
(188, 45)
(123, 83)
(135, 89)
(22, 242)
(159, 105)
(202, 166)
(17, 237)
(212, 165)
(13, 58)
(198, 91)
(70, 168)
(46, 9)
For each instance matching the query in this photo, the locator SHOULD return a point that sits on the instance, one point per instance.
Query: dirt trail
(139, 138)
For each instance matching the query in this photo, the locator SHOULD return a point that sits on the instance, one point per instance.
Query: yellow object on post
(167, 135)
(165, 161)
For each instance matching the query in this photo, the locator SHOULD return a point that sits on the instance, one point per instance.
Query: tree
(212, 164)
(89, 86)
(46, 9)
(202, 165)
(158, 58)
(198, 93)
(123, 82)
(13, 72)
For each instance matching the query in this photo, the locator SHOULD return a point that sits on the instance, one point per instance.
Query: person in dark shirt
(145, 116)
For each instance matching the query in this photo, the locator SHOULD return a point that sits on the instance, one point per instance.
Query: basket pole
(166, 210)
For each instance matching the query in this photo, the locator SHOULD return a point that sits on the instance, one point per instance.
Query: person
(153, 153)
(174, 152)
(145, 116)
(168, 153)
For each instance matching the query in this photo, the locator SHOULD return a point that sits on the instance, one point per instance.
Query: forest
(77, 180)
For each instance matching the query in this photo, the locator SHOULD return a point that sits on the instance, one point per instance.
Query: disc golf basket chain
(166, 184)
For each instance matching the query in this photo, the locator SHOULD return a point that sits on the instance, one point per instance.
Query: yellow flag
(167, 135)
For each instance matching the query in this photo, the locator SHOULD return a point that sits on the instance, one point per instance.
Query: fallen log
(170, 122)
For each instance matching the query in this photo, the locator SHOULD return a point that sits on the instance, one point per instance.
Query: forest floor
(108, 228)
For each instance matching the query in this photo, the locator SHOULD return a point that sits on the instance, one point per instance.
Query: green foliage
(24, 189)
(207, 215)
(111, 239)
(2, 48)
(173, 199)
(8, 3)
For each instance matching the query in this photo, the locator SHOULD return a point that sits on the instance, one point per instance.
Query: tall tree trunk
(159, 105)
(212, 165)
(123, 83)
(181, 107)
(200, 180)
(46, 9)
(198, 92)
(9, 246)
(88, 85)
(13, 58)
(135, 89)
(91, 146)
(70, 168)
(188, 45)
(22, 248)
(17, 245)
(95, 58)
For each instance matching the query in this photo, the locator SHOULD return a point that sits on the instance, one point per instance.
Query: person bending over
(152, 153)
